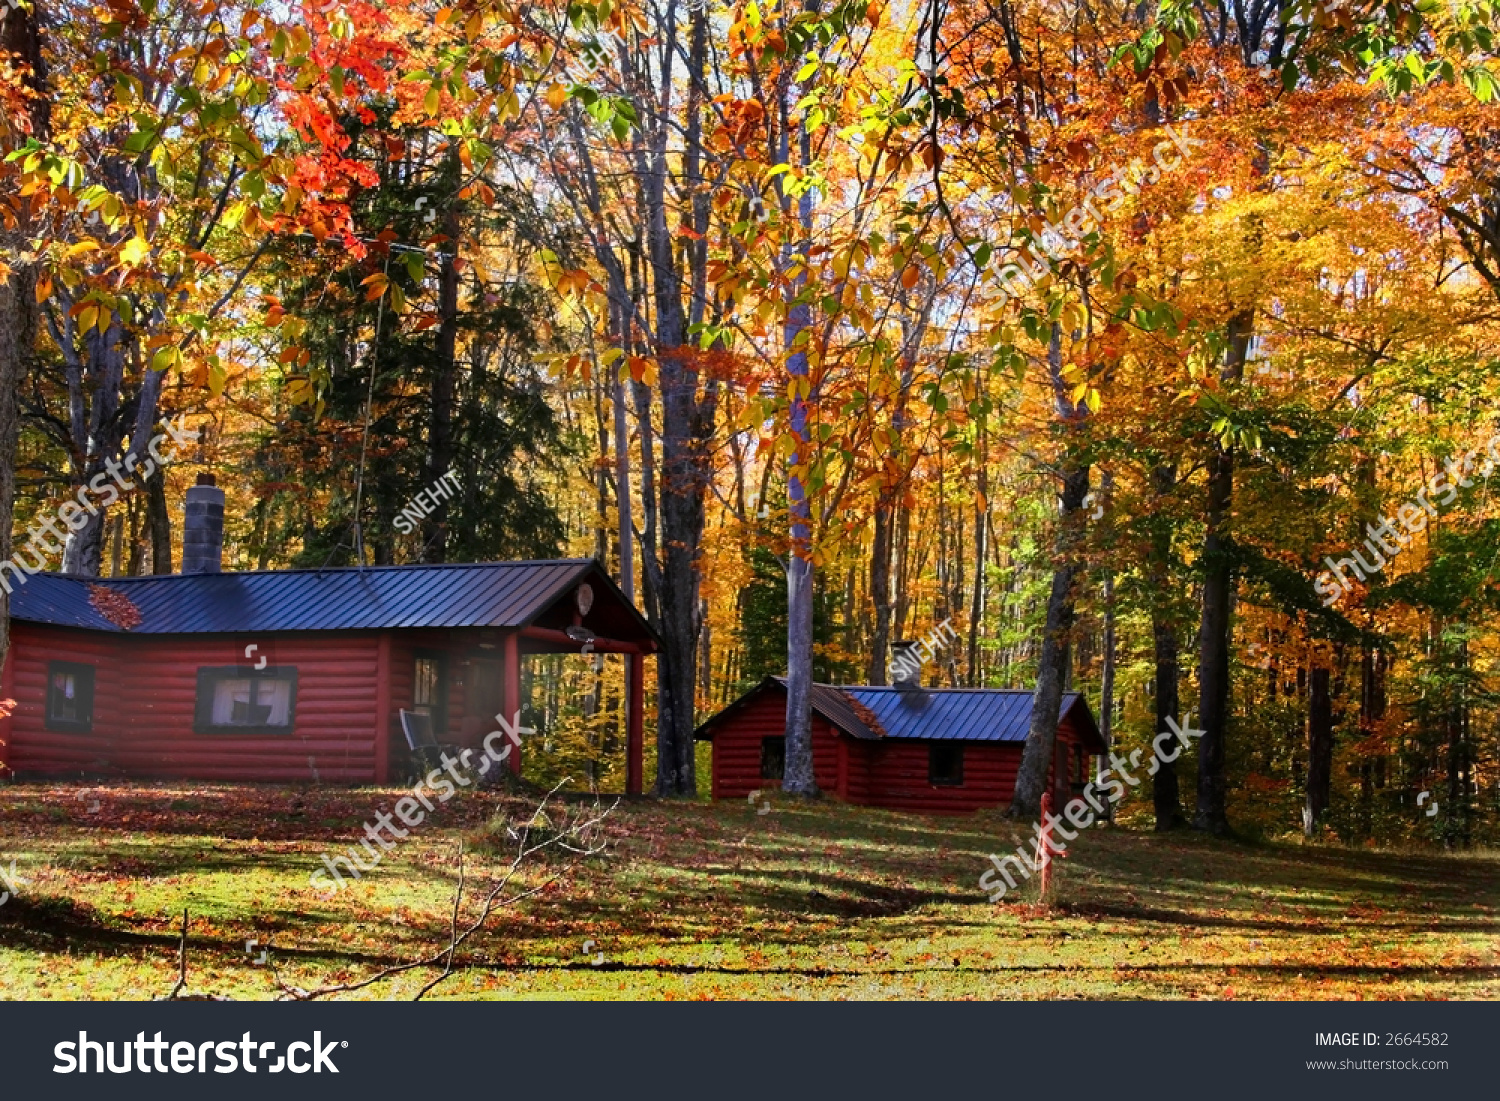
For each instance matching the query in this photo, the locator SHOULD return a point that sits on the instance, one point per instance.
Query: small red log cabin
(928, 750)
(292, 675)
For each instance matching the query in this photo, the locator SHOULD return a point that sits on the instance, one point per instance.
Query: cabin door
(483, 698)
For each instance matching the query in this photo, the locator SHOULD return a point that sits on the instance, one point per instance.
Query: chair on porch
(426, 751)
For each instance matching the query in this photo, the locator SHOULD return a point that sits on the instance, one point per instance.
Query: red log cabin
(927, 750)
(290, 675)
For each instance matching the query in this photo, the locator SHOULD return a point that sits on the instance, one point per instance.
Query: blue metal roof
(953, 714)
(926, 714)
(478, 594)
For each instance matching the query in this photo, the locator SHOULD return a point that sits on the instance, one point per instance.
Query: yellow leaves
(301, 41)
(852, 258)
(166, 358)
(299, 390)
(556, 95)
(43, 288)
(133, 251)
(910, 276)
(432, 101)
(1084, 394)
(474, 27)
(1074, 317)
(93, 316)
(374, 285)
(508, 106)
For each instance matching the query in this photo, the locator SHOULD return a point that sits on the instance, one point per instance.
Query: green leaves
(616, 113)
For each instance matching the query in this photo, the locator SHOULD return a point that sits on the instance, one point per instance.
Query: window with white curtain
(235, 700)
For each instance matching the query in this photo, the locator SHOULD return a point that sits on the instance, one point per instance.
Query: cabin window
(429, 692)
(236, 700)
(945, 765)
(70, 697)
(773, 758)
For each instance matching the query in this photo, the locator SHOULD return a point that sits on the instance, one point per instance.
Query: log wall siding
(145, 701)
(891, 773)
(736, 760)
(30, 746)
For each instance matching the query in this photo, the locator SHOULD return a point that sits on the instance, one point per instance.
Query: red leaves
(116, 607)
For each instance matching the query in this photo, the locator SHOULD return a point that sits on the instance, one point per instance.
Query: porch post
(635, 722)
(8, 692)
(510, 696)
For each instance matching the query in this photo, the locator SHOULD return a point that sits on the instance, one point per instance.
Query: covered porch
(464, 678)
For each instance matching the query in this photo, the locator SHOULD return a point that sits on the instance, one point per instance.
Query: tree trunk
(880, 588)
(686, 425)
(1319, 750)
(20, 37)
(1166, 786)
(159, 521)
(444, 371)
(622, 493)
(14, 349)
(1052, 663)
(1218, 597)
(797, 778)
(1107, 680)
(888, 531)
(975, 679)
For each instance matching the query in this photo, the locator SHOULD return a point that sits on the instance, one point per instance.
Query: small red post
(1045, 854)
(383, 709)
(635, 723)
(511, 693)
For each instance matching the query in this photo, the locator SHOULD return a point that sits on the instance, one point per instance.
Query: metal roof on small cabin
(953, 714)
(478, 594)
(871, 712)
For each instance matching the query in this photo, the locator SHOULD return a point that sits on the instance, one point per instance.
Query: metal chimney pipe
(906, 665)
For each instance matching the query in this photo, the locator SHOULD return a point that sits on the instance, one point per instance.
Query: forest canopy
(1110, 336)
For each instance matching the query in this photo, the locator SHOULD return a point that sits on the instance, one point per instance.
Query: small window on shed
(773, 758)
(70, 697)
(945, 765)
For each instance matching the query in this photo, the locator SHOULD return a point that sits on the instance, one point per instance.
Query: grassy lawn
(703, 901)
